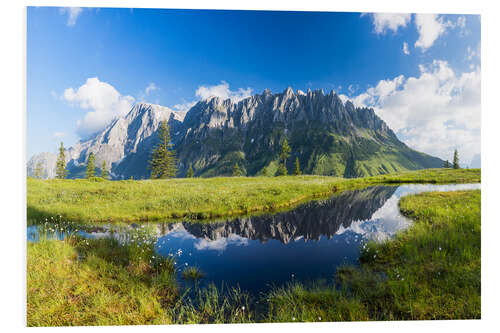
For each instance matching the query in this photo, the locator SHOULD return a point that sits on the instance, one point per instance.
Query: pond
(305, 244)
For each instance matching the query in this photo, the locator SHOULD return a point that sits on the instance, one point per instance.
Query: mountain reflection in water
(307, 243)
(309, 221)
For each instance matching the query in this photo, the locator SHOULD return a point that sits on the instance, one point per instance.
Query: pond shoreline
(204, 199)
(446, 232)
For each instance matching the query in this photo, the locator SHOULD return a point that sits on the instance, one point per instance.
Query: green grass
(83, 282)
(201, 198)
(94, 282)
(431, 271)
(192, 273)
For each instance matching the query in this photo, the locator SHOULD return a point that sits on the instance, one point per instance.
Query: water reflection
(307, 243)
(309, 221)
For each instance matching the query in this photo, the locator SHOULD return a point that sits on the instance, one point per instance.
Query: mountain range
(328, 136)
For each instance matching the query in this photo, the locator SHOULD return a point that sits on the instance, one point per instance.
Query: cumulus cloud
(73, 13)
(406, 50)
(104, 101)
(435, 112)
(383, 22)
(429, 27)
(222, 90)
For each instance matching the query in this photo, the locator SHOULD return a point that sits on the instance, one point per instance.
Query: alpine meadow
(195, 167)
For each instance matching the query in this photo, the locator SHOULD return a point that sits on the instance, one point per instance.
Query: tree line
(163, 162)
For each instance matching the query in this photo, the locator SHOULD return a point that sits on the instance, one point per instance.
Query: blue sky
(88, 66)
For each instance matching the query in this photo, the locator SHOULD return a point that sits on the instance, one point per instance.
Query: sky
(87, 66)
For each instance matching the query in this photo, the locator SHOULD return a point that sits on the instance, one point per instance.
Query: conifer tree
(297, 167)
(456, 165)
(236, 170)
(285, 152)
(264, 171)
(90, 166)
(190, 172)
(446, 164)
(38, 171)
(61, 171)
(104, 170)
(163, 163)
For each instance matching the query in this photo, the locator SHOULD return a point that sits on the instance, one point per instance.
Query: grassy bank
(431, 271)
(80, 282)
(201, 198)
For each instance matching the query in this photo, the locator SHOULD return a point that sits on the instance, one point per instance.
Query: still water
(304, 244)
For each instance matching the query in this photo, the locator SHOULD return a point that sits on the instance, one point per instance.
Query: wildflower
(293, 318)
(243, 308)
(319, 318)
(439, 248)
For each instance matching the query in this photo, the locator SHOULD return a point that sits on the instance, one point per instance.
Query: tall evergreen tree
(456, 164)
(38, 171)
(163, 163)
(190, 172)
(297, 167)
(104, 170)
(446, 164)
(90, 166)
(61, 171)
(285, 152)
(236, 170)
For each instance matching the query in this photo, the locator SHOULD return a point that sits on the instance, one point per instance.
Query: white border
(13, 161)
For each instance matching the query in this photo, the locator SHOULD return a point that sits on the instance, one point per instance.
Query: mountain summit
(328, 137)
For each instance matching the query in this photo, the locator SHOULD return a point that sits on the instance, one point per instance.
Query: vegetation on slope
(98, 200)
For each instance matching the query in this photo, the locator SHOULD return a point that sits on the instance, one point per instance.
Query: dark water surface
(305, 244)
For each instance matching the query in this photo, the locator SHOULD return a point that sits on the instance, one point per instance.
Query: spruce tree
(236, 170)
(190, 172)
(446, 164)
(297, 167)
(163, 163)
(104, 170)
(90, 166)
(38, 171)
(61, 171)
(264, 171)
(285, 152)
(456, 165)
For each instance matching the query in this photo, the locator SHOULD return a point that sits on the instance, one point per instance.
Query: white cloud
(184, 107)
(383, 22)
(220, 244)
(435, 112)
(406, 50)
(58, 134)
(143, 95)
(151, 87)
(73, 13)
(429, 27)
(103, 99)
(222, 90)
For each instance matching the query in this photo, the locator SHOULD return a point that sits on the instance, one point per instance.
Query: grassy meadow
(99, 200)
(430, 271)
